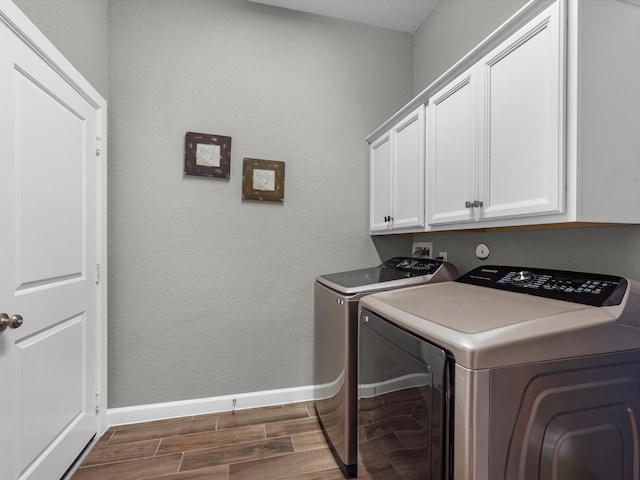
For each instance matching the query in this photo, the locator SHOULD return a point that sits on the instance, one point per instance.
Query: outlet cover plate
(422, 249)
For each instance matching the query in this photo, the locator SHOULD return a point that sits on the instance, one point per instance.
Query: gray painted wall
(79, 29)
(453, 29)
(210, 295)
(201, 301)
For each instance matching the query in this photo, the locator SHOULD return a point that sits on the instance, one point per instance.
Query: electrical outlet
(422, 249)
(442, 256)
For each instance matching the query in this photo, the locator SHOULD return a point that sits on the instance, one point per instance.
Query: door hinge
(97, 274)
(97, 401)
(98, 146)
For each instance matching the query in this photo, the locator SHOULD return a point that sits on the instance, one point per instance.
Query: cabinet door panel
(451, 151)
(521, 115)
(408, 191)
(381, 171)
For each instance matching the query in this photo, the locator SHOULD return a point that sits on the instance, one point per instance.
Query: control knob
(522, 278)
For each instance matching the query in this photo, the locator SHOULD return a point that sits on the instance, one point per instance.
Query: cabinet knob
(477, 203)
(468, 204)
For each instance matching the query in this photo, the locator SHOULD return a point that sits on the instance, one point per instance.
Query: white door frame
(13, 18)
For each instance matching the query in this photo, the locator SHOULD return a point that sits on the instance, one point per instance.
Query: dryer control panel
(413, 266)
(586, 288)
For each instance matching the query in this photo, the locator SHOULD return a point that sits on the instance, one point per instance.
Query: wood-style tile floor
(281, 442)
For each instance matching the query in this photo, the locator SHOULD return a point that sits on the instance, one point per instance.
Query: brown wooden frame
(221, 166)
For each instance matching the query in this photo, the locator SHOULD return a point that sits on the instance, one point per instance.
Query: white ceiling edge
(402, 15)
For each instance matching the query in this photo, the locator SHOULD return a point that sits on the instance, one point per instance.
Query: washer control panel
(413, 266)
(586, 288)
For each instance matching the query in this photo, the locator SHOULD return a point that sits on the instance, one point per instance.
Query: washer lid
(395, 272)
(487, 327)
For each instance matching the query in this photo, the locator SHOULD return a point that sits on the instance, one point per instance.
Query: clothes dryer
(506, 373)
(336, 302)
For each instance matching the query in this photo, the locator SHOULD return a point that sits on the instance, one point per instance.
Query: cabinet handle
(477, 203)
(468, 204)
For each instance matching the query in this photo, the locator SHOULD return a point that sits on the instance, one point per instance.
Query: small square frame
(207, 155)
(262, 180)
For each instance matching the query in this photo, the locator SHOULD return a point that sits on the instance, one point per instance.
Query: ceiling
(403, 15)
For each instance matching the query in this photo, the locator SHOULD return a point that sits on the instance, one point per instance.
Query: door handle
(13, 321)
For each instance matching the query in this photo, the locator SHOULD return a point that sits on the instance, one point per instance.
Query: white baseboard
(199, 406)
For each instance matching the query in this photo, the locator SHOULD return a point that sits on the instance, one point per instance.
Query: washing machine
(336, 300)
(506, 373)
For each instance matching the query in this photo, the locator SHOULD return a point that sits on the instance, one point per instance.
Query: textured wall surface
(79, 29)
(210, 295)
(451, 31)
(612, 250)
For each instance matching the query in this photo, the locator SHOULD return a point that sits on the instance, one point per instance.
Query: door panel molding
(52, 199)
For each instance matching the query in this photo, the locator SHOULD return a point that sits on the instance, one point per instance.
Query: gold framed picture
(262, 180)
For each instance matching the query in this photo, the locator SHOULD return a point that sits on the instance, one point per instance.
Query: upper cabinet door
(380, 188)
(521, 121)
(408, 184)
(451, 151)
(397, 175)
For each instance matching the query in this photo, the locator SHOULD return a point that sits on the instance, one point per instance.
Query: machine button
(522, 278)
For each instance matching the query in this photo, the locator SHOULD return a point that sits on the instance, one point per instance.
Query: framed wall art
(262, 180)
(207, 155)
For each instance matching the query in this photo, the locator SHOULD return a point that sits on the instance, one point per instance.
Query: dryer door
(403, 386)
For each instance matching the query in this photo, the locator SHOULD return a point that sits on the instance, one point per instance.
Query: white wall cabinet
(397, 175)
(494, 133)
(452, 151)
(537, 125)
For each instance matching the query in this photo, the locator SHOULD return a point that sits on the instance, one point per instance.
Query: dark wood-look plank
(122, 452)
(291, 427)
(283, 465)
(131, 470)
(308, 441)
(197, 441)
(220, 472)
(283, 442)
(331, 474)
(242, 452)
(260, 415)
(163, 429)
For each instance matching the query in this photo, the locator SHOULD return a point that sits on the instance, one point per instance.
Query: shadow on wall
(611, 250)
(389, 246)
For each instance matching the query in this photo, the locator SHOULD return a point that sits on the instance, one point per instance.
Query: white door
(48, 254)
